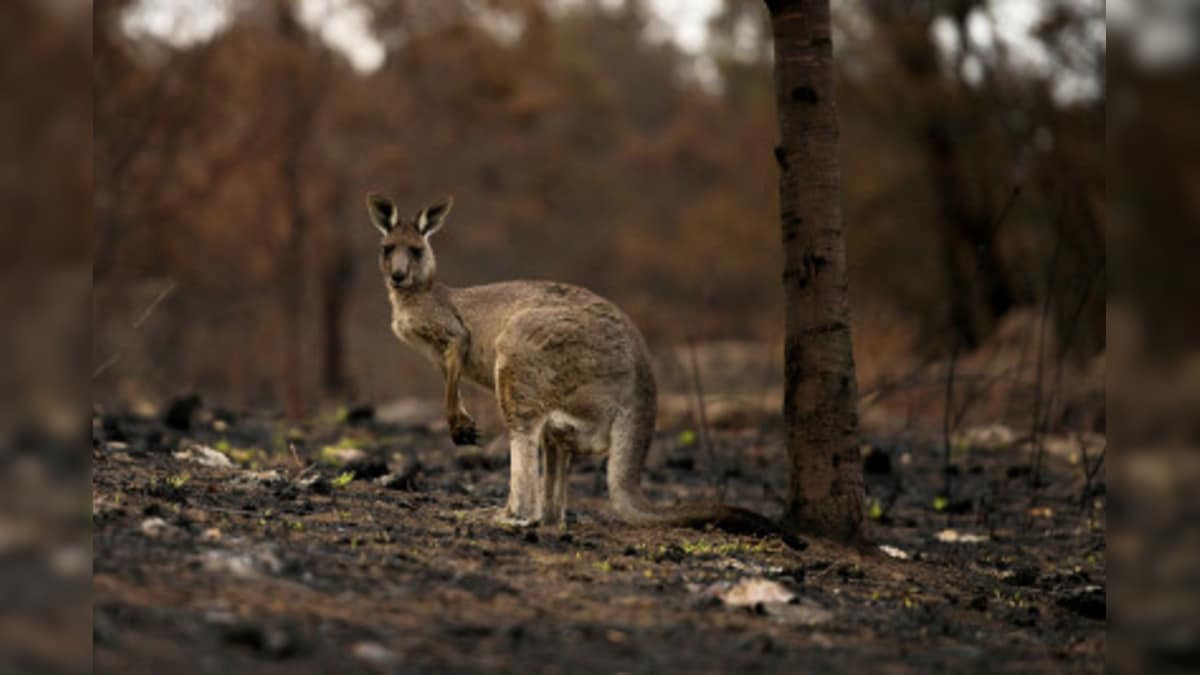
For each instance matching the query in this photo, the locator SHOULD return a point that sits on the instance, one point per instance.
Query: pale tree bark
(820, 392)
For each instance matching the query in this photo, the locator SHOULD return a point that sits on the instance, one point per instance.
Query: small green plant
(223, 445)
(704, 547)
(940, 503)
(687, 438)
(343, 479)
(169, 488)
(876, 510)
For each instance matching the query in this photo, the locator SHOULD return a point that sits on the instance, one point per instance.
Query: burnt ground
(352, 545)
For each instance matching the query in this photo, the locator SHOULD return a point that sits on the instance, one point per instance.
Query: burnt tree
(820, 391)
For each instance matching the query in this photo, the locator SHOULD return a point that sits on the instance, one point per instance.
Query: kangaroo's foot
(526, 502)
(507, 519)
(463, 431)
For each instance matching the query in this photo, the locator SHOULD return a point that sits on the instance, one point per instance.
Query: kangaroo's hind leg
(526, 499)
(526, 493)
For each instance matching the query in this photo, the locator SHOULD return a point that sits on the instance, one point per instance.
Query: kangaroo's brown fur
(571, 373)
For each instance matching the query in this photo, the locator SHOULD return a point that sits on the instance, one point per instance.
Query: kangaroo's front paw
(465, 436)
(463, 431)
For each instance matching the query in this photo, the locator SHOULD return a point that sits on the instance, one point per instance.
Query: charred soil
(238, 543)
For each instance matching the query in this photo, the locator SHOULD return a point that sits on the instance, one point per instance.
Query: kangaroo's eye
(416, 251)
(387, 249)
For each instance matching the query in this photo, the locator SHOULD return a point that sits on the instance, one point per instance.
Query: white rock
(269, 478)
(155, 527)
(342, 455)
(750, 592)
(988, 437)
(956, 537)
(374, 653)
(244, 565)
(204, 456)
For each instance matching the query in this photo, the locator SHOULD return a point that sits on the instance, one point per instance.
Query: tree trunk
(335, 294)
(335, 289)
(292, 289)
(298, 127)
(820, 393)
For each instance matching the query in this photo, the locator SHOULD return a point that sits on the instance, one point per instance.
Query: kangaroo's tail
(632, 434)
(636, 510)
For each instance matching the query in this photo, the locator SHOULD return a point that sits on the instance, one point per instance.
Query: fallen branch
(137, 324)
(706, 441)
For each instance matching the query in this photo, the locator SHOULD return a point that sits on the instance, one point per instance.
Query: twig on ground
(761, 433)
(706, 440)
(1089, 473)
(108, 363)
(946, 418)
(137, 323)
(158, 300)
(975, 391)
(1005, 210)
(1038, 422)
(296, 456)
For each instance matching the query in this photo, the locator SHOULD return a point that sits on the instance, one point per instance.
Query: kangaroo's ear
(384, 215)
(431, 217)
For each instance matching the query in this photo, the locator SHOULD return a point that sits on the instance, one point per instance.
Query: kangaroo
(571, 373)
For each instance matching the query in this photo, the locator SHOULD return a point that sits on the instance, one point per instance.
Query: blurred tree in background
(45, 182)
(229, 172)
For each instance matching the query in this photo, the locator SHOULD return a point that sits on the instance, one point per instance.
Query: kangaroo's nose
(397, 277)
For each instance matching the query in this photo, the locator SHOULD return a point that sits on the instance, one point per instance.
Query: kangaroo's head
(405, 256)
